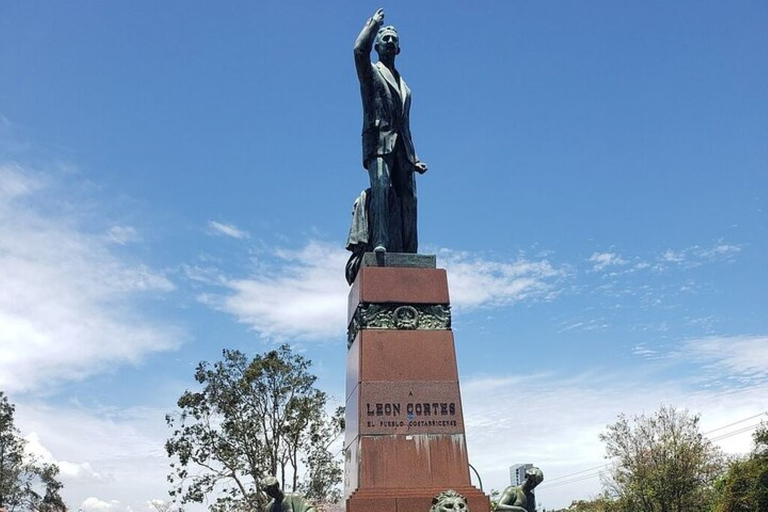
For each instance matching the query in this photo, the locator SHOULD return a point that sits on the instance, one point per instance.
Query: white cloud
(641, 349)
(36, 451)
(671, 256)
(745, 357)
(69, 471)
(66, 310)
(695, 255)
(123, 235)
(721, 250)
(93, 504)
(81, 471)
(217, 228)
(477, 282)
(204, 274)
(15, 183)
(304, 295)
(602, 260)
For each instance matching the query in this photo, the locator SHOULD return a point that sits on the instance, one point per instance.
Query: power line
(573, 481)
(735, 423)
(739, 431)
(575, 473)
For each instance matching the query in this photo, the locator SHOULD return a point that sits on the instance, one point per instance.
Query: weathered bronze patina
(283, 502)
(384, 216)
(520, 498)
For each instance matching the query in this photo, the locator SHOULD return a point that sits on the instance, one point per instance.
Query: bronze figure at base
(283, 502)
(520, 498)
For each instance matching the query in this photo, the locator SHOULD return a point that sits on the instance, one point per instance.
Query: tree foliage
(25, 483)
(662, 463)
(494, 495)
(602, 503)
(744, 488)
(253, 418)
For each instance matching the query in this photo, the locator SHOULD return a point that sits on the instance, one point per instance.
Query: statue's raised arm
(364, 42)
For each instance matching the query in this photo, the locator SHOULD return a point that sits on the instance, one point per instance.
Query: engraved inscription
(410, 408)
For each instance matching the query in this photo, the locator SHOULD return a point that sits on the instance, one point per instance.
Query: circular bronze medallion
(406, 317)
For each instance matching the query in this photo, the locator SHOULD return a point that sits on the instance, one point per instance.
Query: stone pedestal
(404, 439)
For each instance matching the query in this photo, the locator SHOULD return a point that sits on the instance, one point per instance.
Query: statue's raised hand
(378, 16)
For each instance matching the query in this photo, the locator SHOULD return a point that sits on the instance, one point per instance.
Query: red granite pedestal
(405, 439)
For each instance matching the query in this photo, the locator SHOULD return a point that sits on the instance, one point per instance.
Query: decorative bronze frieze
(399, 316)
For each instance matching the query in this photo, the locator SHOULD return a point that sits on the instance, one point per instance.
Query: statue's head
(533, 477)
(449, 501)
(387, 41)
(271, 487)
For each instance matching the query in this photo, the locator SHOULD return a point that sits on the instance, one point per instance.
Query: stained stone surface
(405, 439)
(403, 356)
(397, 285)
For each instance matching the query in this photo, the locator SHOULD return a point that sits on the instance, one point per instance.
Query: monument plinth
(405, 439)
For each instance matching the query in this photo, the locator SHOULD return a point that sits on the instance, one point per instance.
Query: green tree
(602, 503)
(252, 418)
(744, 488)
(494, 495)
(662, 463)
(25, 484)
(325, 473)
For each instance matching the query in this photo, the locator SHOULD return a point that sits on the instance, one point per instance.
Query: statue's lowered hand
(421, 167)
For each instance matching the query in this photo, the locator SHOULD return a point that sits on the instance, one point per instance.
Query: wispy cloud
(602, 260)
(218, 228)
(742, 358)
(641, 349)
(66, 309)
(94, 504)
(69, 471)
(671, 256)
(301, 293)
(123, 235)
(695, 255)
(721, 250)
(476, 281)
(685, 257)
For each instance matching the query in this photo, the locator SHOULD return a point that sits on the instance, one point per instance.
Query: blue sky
(177, 178)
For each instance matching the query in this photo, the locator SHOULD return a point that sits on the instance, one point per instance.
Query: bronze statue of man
(388, 152)
(281, 502)
(520, 498)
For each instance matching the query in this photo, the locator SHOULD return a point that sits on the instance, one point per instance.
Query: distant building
(517, 473)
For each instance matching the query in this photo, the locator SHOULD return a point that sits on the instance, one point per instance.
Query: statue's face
(387, 42)
(533, 478)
